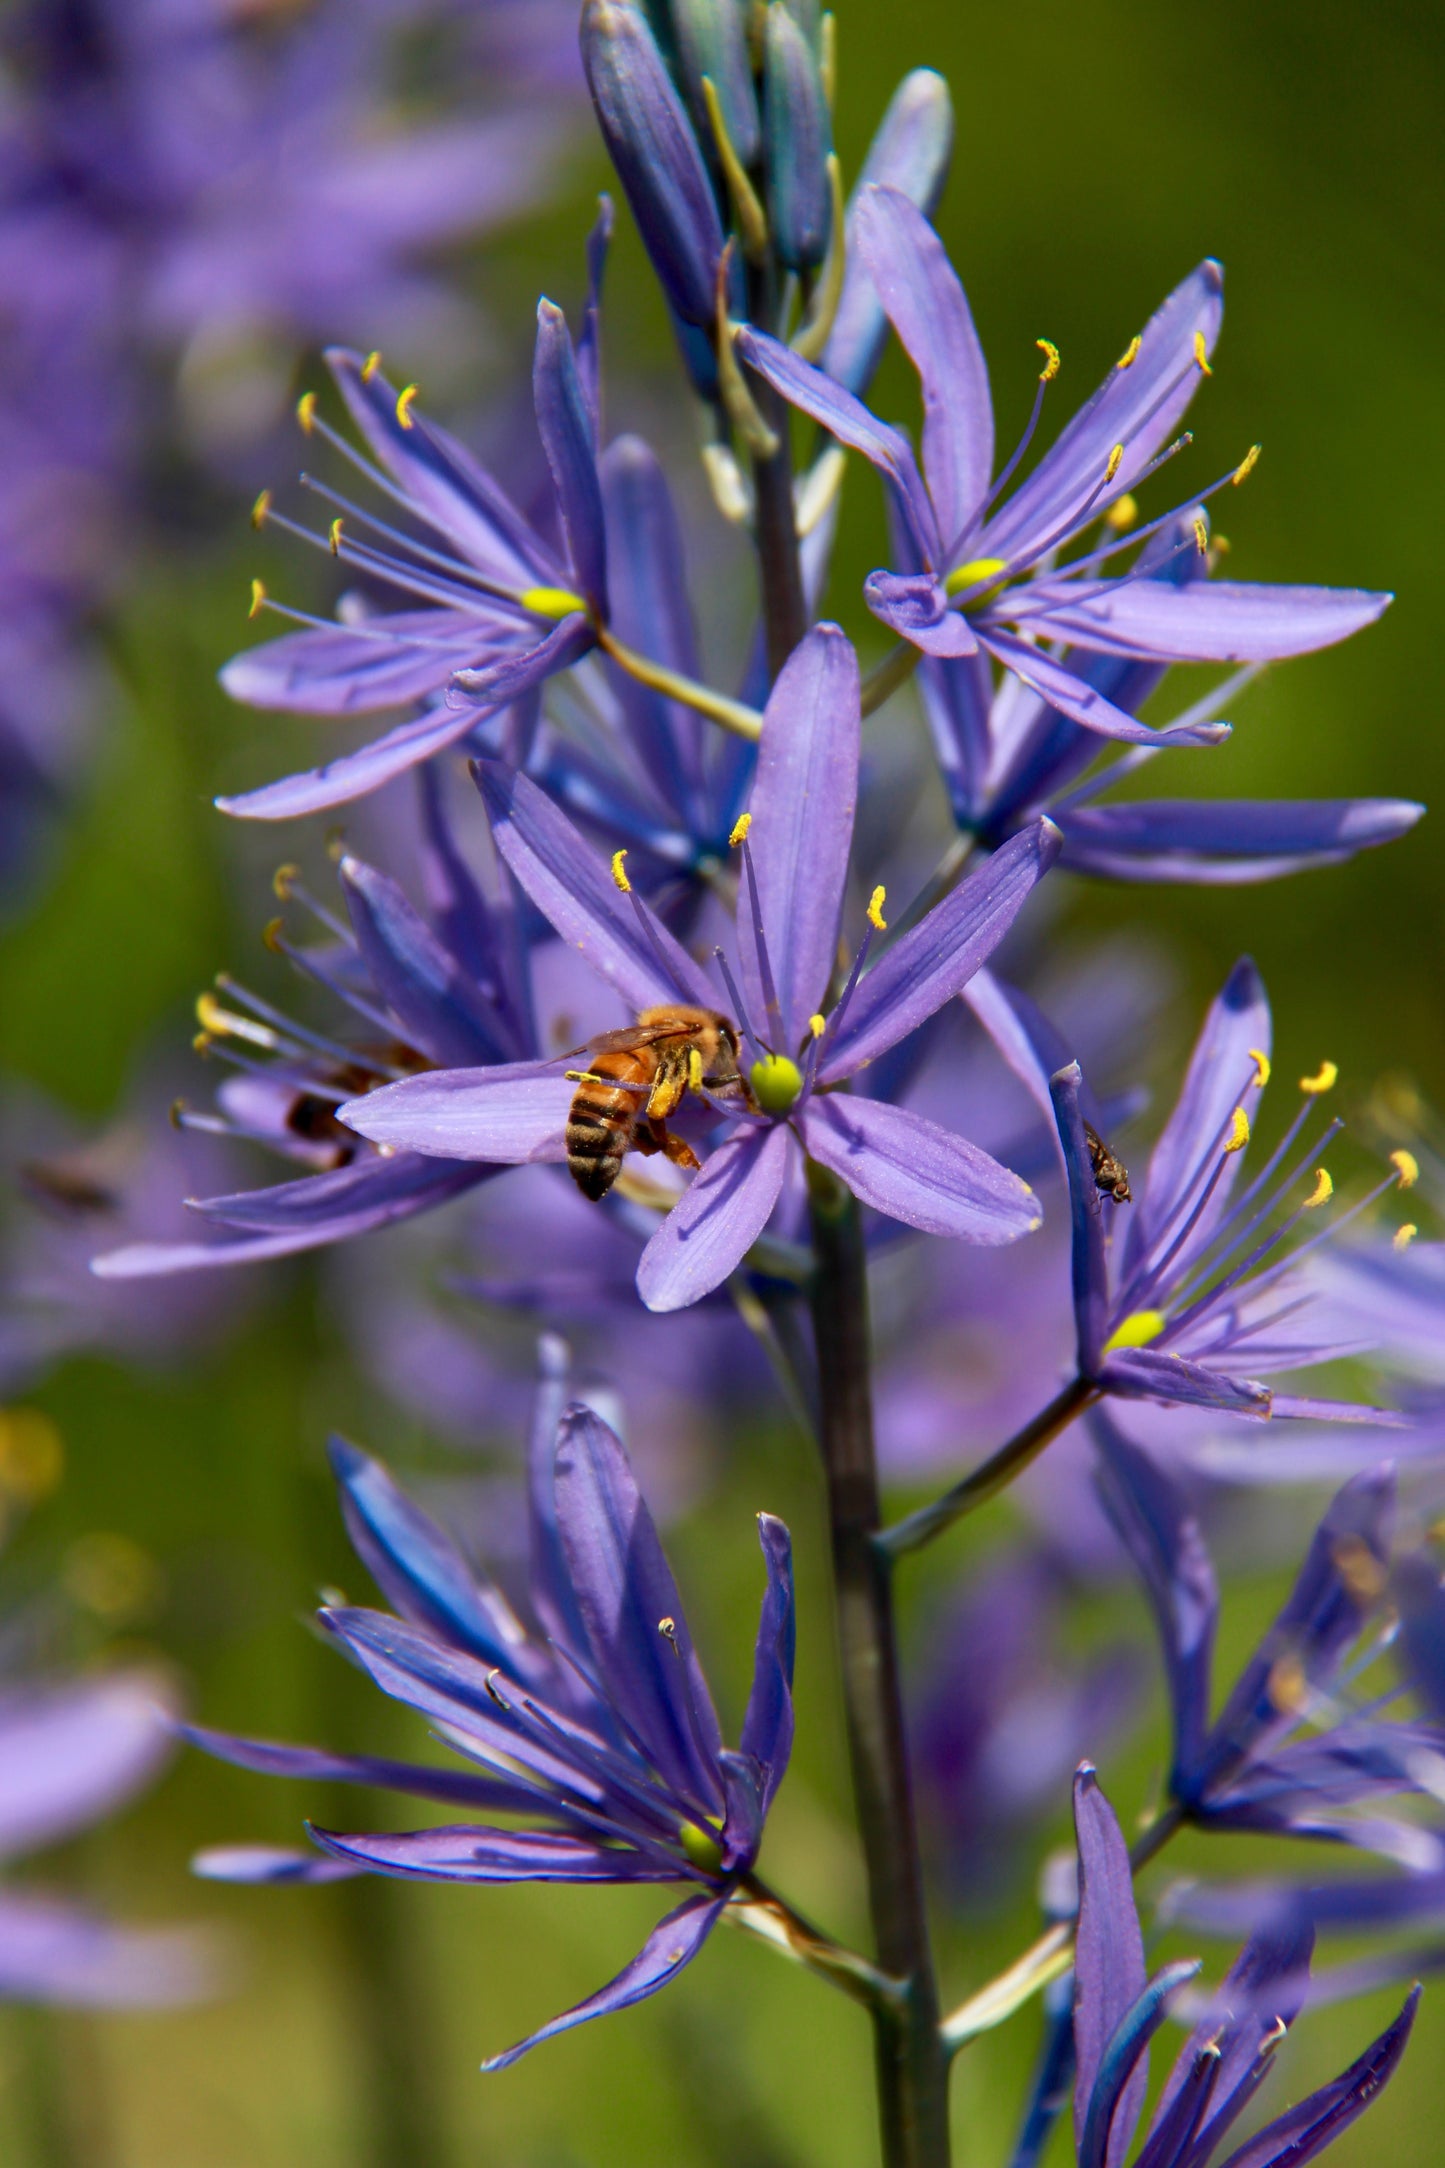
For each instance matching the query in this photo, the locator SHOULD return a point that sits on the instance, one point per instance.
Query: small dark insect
(1111, 1176)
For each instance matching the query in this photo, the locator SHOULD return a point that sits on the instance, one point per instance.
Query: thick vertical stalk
(775, 533)
(912, 2064)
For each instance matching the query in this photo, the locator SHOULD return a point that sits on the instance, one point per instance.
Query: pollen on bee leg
(1201, 355)
(405, 400)
(740, 829)
(1404, 1236)
(694, 1069)
(618, 873)
(371, 364)
(1262, 1067)
(1407, 1166)
(1322, 1192)
(1325, 1078)
(1238, 1131)
(875, 909)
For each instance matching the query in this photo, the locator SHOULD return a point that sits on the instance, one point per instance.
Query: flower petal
(1138, 1373)
(1315, 2122)
(559, 871)
(936, 960)
(1083, 703)
(651, 613)
(354, 669)
(1204, 620)
(313, 1765)
(268, 1865)
(926, 306)
(509, 1115)
(917, 1172)
(1226, 841)
(1089, 1269)
(73, 1753)
(802, 806)
(768, 1725)
(569, 441)
(344, 1201)
(1117, 2099)
(1109, 1974)
(58, 1953)
(424, 985)
(464, 1853)
(915, 605)
(673, 1943)
(708, 1233)
(910, 152)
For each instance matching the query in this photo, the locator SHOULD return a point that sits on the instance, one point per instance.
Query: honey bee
(638, 1077)
(1111, 1176)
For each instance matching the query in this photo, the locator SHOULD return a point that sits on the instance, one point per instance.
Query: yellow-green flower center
(1136, 1330)
(701, 1847)
(776, 1083)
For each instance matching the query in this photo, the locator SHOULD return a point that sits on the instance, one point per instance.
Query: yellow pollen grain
(1247, 465)
(335, 537)
(1122, 513)
(1052, 361)
(306, 411)
(1325, 1078)
(618, 874)
(1201, 537)
(1137, 1330)
(741, 826)
(258, 597)
(1404, 1236)
(1130, 354)
(371, 364)
(1407, 1166)
(817, 1025)
(1238, 1131)
(875, 910)
(260, 508)
(1116, 460)
(1201, 355)
(1262, 1067)
(1322, 1192)
(405, 400)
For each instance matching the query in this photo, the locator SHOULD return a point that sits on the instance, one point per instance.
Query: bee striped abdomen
(601, 1123)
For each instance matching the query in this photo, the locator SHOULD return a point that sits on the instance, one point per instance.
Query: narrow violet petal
(1264, 1989)
(850, 422)
(560, 872)
(915, 606)
(937, 958)
(1227, 840)
(499, 683)
(1109, 1972)
(353, 775)
(910, 152)
(415, 1563)
(802, 807)
(1118, 2096)
(1138, 407)
(54, 1952)
(424, 985)
(1166, 1546)
(1089, 1270)
(641, 1649)
(1306, 2129)
(554, 1600)
(651, 613)
(508, 1116)
(1206, 620)
(269, 1865)
(589, 342)
(915, 1171)
(1420, 1599)
(708, 1233)
(313, 1765)
(468, 1854)
(71, 1754)
(569, 441)
(926, 306)
(1008, 1020)
(768, 1725)
(1138, 1373)
(673, 1943)
(370, 1192)
(338, 670)
(1084, 704)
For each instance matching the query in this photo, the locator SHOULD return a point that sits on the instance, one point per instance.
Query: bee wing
(635, 1035)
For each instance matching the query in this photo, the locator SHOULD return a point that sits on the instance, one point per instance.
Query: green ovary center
(777, 1083)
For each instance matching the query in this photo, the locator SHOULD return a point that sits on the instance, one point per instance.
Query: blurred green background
(1100, 153)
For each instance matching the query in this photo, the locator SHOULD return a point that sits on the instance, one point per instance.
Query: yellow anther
(1238, 1131)
(1247, 465)
(1407, 1166)
(1201, 535)
(974, 573)
(1322, 1192)
(405, 400)
(1116, 460)
(1137, 1330)
(260, 508)
(1325, 1078)
(335, 537)
(1122, 513)
(1262, 1067)
(1201, 355)
(306, 411)
(258, 596)
(618, 875)
(273, 933)
(875, 910)
(1052, 363)
(283, 880)
(371, 364)
(1359, 1569)
(817, 1025)
(667, 1627)
(1130, 354)
(558, 602)
(1287, 1686)
(1404, 1236)
(741, 826)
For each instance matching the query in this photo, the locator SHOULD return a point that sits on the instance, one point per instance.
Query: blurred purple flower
(599, 1730)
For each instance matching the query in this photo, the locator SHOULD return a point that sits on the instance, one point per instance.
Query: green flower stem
(912, 2061)
(992, 1476)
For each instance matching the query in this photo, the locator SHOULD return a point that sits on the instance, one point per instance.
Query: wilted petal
(1109, 1974)
(926, 306)
(1226, 841)
(915, 605)
(509, 1115)
(936, 960)
(673, 1943)
(1205, 620)
(917, 1172)
(708, 1233)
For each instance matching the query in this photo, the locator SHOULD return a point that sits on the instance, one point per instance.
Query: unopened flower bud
(712, 41)
(799, 138)
(656, 154)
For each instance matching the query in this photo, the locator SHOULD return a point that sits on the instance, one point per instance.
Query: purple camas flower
(596, 1729)
(801, 1042)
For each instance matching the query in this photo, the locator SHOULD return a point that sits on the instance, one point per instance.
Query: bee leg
(644, 1141)
(677, 1149)
(666, 1094)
